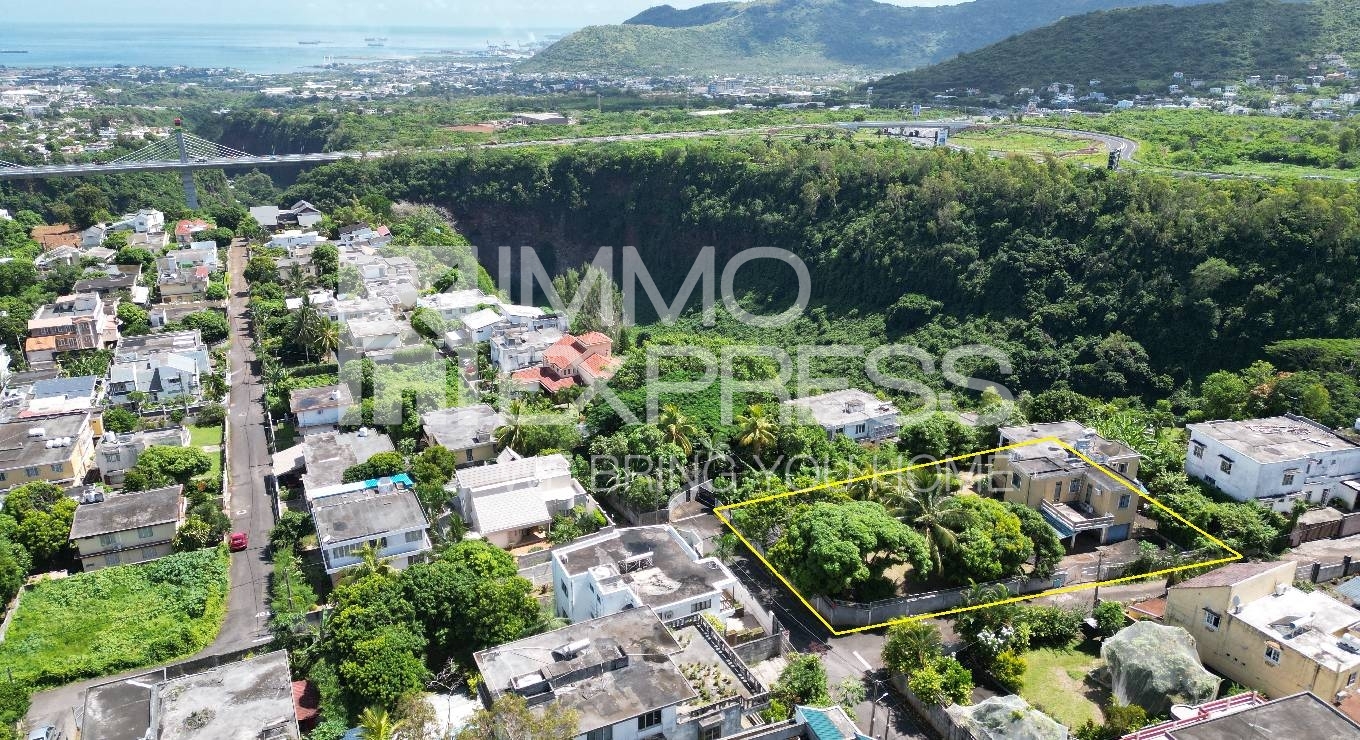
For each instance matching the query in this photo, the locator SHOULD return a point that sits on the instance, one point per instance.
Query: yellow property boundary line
(721, 512)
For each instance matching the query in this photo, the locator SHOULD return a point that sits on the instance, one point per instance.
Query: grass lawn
(1024, 142)
(111, 620)
(284, 435)
(1055, 682)
(205, 436)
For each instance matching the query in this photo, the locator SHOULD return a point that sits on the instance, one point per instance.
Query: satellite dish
(1236, 603)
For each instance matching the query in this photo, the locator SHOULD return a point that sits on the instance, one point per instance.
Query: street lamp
(873, 716)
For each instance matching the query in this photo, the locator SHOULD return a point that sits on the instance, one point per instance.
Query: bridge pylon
(186, 175)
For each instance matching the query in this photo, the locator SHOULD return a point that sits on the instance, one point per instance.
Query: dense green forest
(1113, 283)
(800, 36)
(1140, 48)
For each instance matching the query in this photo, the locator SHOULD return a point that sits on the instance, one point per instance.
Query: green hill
(800, 36)
(1143, 47)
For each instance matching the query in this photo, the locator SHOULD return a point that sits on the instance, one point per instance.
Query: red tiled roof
(601, 366)
(539, 375)
(1155, 608)
(306, 700)
(189, 226)
(592, 338)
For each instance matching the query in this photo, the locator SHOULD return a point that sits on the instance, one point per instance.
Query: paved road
(850, 656)
(247, 501)
(249, 506)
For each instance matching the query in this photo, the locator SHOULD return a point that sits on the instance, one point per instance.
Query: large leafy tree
(802, 682)
(510, 717)
(469, 598)
(832, 548)
(384, 666)
(992, 545)
(162, 466)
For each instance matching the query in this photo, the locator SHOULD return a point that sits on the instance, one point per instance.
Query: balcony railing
(1077, 517)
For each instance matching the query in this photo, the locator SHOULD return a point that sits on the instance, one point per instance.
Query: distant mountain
(801, 36)
(1143, 47)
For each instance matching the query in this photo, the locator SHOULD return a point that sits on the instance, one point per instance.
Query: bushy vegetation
(113, 619)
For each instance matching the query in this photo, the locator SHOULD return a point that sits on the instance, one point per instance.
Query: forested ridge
(801, 36)
(1140, 48)
(1114, 283)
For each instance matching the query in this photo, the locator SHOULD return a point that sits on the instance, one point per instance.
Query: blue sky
(478, 13)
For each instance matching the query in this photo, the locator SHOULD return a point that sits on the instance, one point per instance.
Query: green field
(205, 436)
(1010, 141)
(1055, 682)
(111, 620)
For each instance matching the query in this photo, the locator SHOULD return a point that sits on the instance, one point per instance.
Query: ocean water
(261, 49)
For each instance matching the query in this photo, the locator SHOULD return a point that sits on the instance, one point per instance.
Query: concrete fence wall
(1319, 572)
(1350, 524)
(849, 614)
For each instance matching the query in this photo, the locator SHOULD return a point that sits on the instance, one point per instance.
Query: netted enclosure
(1006, 718)
(1155, 666)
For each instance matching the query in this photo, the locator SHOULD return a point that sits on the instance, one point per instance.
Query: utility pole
(869, 97)
(1100, 565)
(186, 175)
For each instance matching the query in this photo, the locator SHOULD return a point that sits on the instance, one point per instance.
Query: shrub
(911, 645)
(928, 685)
(1008, 668)
(120, 420)
(212, 414)
(1109, 616)
(1051, 626)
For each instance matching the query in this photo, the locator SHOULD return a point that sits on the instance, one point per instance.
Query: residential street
(247, 502)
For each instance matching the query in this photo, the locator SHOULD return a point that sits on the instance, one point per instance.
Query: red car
(238, 541)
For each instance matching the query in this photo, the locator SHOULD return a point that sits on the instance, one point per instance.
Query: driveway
(247, 503)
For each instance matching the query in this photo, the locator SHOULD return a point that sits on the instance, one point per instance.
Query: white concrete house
(639, 566)
(1276, 461)
(513, 502)
(858, 415)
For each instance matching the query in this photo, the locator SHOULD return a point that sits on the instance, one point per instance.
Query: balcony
(1072, 517)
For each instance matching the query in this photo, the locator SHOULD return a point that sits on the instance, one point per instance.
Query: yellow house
(57, 449)
(1253, 626)
(1073, 495)
(467, 431)
(127, 528)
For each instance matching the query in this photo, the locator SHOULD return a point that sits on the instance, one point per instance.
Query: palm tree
(933, 511)
(677, 429)
(378, 724)
(327, 336)
(512, 433)
(371, 565)
(306, 325)
(755, 429)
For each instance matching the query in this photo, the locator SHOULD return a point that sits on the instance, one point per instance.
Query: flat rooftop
(848, 406)
(526, 471)
(246, 699)
(322, 397)
(1073, 433)
(24, 443)
(365, 514)
(463, 427)
(127, 511)
(1298, 717)
(328, 454)
(1324, 622)
(635, 648)
(1273, 439)
(148, 344)
(674, 575)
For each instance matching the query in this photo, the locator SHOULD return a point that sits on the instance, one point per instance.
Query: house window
(58, 467)
(699, 606)
(1122, 467)
(1057, 492)
(1125, 500)
(1212, 619)
(469, 459)
(112, 457)
(650, 719)
(1197, 449)
(1074, 486)
(1350, 680)
(31, 472)
(1288, 479)
(1272, 655)
(145, 533)
(111, 559)
(414, 536)
(711, 733)
(604, 733)
(3, 476)
(1015, 480)
(859, 428)
(1225, 464)
(562, 586)
(108, 540)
